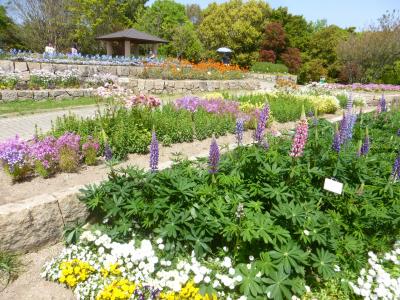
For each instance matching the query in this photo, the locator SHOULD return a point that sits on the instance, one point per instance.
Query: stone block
(72, 210)
(149, 84)
(159, 84)
(88, 92)
(75, 93)
(7, 95)
(20, 66)
(59, 94)
(40, 95)
(30, 224)
(61, 67)
(6, 65)
(25, 75)
(47, 66)
(122, 71)
(25, 94)
(33, 66)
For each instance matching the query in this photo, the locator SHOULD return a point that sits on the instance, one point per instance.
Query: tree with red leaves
(268, 55)
(292, 59)
(274, 38)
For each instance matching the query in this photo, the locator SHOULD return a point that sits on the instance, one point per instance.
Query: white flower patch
(142, 263)
(379, 281)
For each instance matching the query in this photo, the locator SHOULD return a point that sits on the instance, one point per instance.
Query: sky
(345, 13)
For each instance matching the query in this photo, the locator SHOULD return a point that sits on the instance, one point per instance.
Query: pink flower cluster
(373, 87)
(142, 100)
(300, 138)
(217, 106)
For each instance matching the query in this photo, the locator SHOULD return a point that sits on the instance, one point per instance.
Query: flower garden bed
(253, 224)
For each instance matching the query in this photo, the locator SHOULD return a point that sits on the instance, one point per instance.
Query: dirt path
(30, 286)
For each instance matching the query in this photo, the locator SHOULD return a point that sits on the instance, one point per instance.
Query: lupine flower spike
(300, 137)
(343, 128)
(396, 168)
(239, 131)
(107, 152)
(366, 144)
(154, 152)
(336, 140)
(262, 121)
(382, 104)
(213, 159)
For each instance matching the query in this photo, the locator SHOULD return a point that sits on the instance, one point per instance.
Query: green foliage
(10, 267)
(71, 233)
(267, 67)
(268, 205)
(8, 31)
(312, 71)
(129, 131)
(235, 24)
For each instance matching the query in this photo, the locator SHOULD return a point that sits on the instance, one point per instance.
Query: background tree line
(254, 31)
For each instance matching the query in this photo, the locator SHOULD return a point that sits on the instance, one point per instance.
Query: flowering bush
(46, 79)
(8, 80)
(68, 146)
(142, 100)
(14, 156)
(45, 156)
(101, 79)
(99, 268)
(370, 87)
(89, 150)
(216, 106)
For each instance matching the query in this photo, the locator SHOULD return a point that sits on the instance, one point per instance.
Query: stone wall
(159, 86)
(14, 95)
(39, 221)
(273, 77)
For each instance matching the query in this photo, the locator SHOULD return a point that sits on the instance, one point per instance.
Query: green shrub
(267, 67)
(264, 203)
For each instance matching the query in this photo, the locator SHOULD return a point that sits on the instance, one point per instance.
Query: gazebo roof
(132, 35)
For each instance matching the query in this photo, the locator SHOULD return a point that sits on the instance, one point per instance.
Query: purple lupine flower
(396, 168)
(213, 158)
(398, 132)
(336, 140)
(154, 152)
(262, 122)
(343, 128)
(239, 131)
(350, 125)
(349, 104)
(14, 153)
(107, 152)
(300, 137)
(382, 104)
(366, 144)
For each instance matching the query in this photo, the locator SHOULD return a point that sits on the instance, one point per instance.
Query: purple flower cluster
(262, 122)
(216, 106)
(366, 144)
(336, 140)
(300, 137)
(213, 158)
(70, 141)
(45, 152)
(346, 127)
(14, 153)
(382, 107)
(396, 168)
(239, 131)
(108, 155)
(366, 87)
(154, 152)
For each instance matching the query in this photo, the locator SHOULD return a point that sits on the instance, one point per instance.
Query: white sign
(333, 186)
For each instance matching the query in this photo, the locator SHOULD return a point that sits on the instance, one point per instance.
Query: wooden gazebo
(131, 37)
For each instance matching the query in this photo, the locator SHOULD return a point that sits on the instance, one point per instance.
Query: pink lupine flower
(300, 137)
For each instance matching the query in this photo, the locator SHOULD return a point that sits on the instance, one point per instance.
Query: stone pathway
(24, 126)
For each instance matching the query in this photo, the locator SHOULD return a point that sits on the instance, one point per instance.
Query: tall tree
(8, 31)
(237, 25)
(193, 12)
(44, 21)
(97, 17)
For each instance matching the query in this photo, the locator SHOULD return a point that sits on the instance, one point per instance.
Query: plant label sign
(333, 186)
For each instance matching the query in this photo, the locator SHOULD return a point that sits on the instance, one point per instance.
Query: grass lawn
(30, 106)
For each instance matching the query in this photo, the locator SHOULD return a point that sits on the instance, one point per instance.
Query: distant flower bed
(208, 70)
(44, 79)
(374, 87)
(60, 58)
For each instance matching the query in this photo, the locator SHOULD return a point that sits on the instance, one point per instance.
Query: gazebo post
(109, 47)
(155, 49)
(127, 48)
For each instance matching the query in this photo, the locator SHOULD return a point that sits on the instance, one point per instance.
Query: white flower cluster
(379, 281)
(101, 79)
(59, 76)
(139, 262)
(5, 76)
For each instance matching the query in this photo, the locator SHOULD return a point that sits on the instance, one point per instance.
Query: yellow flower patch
(118, 290)
(74, 271)
(188, 292)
